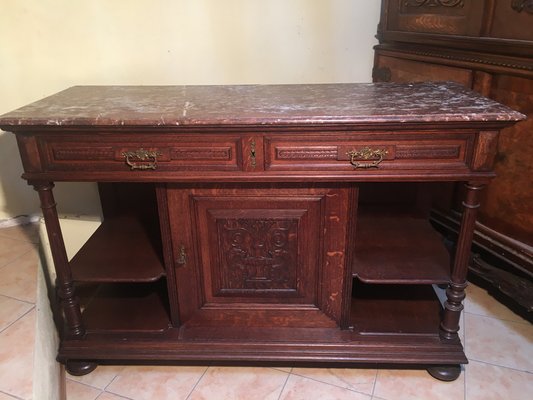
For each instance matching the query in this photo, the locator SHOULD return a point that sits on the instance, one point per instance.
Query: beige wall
(48, 45)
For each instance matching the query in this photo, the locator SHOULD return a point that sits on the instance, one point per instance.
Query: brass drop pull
(182, 256)
(367, 153)
(141, 159)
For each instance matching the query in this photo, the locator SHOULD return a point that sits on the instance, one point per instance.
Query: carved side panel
(453, 17)
(434, 3)
(257, 254)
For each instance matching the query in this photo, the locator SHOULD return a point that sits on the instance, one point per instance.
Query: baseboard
(20, 220)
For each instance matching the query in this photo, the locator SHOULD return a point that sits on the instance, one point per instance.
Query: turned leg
(65, 286)
(79, 368)
(445, 373)
(456, 290)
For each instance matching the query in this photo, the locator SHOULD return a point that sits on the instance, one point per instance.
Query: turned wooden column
(456, 290)
(64, 284)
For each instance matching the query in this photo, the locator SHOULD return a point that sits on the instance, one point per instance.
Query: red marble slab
(259, 105)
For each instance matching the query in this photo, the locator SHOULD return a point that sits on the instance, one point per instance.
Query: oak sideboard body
(263, 223)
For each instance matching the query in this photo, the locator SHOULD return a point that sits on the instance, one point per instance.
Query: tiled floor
(498, 343)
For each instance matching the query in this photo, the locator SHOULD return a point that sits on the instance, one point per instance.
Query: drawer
(371, 152)
(141, 152)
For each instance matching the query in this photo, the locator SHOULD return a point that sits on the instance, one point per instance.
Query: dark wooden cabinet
(486, 46)
(262, 223)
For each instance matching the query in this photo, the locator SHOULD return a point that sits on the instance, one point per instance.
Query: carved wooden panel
(255, 249)
(455, 17)
(262, 250)
(257, 255)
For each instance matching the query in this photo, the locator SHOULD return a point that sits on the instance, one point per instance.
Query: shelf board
(395, 310)
(126, 308)
(119, 251)
(399, 248)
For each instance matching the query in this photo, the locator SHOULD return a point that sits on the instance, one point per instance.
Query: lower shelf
(399, 248)
(133, 308)
(395, 309)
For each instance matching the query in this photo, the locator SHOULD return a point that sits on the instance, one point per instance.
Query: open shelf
(121, 250)
(125, 308)
(395, 309)
(396, 247)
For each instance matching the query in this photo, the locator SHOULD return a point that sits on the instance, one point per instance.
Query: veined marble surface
(357, 103)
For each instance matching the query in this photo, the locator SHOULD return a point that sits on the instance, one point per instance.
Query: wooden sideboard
(263, 223)
(486, 46)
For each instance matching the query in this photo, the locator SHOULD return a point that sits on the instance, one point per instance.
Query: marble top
(353, 103)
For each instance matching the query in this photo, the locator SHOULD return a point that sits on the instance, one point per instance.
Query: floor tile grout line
(114, 394)
(284, 384)
(524, 321)
(84, 384)
(29, 241)
(331, 384)
(464, 382)
(112, 380)
(14, 298)
(196, 384)
(12, 395)
(500, 366)
(375, 381)
(18, 319)
(19, 257)
(464, 351)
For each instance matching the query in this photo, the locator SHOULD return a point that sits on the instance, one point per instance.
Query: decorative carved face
(259, 254)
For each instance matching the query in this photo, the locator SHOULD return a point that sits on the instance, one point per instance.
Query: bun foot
(79, 368)
(445, 373)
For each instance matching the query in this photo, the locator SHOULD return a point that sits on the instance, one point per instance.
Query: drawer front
(136, 153)
(402, 153)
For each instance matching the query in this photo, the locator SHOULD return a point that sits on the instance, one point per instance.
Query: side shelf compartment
(379, 309)
(399, 259)
(119, 274)
(123, 308)
(399, 248)
(121, 250)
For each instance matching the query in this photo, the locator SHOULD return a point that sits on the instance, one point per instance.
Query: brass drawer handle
(367, 153)
(147, 158)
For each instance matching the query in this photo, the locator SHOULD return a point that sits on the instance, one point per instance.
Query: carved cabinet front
(261, 251)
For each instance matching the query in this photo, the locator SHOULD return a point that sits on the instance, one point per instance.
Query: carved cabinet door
(258, 255)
